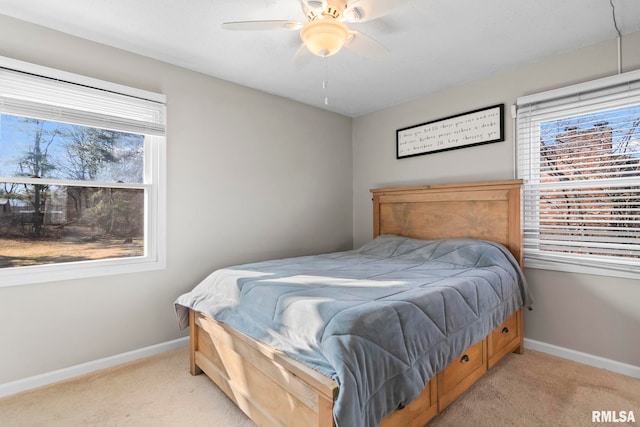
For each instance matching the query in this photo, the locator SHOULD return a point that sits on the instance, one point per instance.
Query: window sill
(76, 270)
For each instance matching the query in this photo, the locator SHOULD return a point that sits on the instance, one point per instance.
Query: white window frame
(154, 184)
(528, 156)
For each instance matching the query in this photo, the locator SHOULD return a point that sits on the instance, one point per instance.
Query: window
(579, 157)
(81, 176)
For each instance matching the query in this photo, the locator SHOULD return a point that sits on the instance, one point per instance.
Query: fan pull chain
(325, 82)
(326, 98)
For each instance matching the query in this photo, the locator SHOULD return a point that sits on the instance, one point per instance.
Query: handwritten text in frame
(482, 126)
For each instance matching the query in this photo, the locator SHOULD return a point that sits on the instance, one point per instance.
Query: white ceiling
(433, 43)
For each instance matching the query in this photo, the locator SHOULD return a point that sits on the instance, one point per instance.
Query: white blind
(34, 96)
(579, 157)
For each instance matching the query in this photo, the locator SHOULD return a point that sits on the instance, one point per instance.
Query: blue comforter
(381, 320)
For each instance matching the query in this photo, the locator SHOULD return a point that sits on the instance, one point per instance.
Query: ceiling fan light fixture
(324, 37)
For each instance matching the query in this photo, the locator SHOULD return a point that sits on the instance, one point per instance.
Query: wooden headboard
(479, 210)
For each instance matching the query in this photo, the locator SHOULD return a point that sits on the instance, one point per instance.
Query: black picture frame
(469, 129)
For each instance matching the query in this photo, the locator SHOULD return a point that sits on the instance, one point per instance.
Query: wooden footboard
(268, 386)
(275, 390)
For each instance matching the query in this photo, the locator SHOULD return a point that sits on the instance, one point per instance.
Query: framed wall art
(477, 127)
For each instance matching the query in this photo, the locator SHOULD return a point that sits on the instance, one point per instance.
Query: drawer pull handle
(505, 330)
(464, 359)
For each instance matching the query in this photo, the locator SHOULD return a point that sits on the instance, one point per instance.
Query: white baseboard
(47, 378)
(36, 381)
(584, 358)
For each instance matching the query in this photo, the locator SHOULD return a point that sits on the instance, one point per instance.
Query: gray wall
(598, 315)
(246, 180)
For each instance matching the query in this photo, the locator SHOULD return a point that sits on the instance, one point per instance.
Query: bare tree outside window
(592, 165)
(71, 193)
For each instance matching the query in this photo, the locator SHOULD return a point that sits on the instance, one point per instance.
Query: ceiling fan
(325, 32)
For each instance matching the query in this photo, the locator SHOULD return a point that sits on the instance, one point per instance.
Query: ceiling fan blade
(262, 25)
(368, 10)
(302, 57)
(364, 45)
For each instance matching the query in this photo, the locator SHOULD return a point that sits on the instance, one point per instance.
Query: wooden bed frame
(275, 390)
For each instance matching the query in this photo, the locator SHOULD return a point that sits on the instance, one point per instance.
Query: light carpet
(533, 389)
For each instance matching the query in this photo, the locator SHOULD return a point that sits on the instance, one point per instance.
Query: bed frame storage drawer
(417, 413)
(505, 338)
(460, 374)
